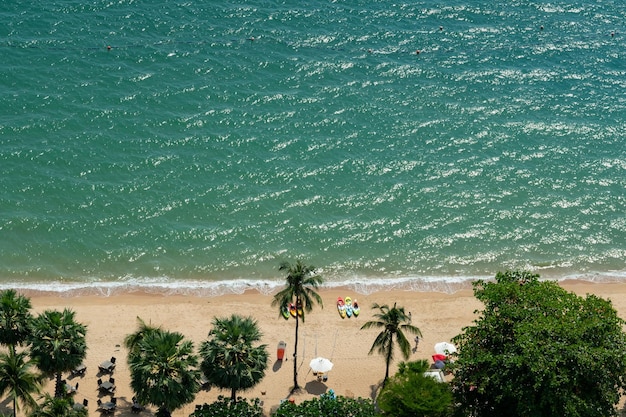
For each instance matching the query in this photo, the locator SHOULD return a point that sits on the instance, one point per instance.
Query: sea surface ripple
(193, 146)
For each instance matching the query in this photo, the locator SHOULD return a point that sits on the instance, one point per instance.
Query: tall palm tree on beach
(394, 322)
(163, 371)
(131, 341)
(19, 377)
(229, 358)
(301, 285)
(58, 344)
(15, 318)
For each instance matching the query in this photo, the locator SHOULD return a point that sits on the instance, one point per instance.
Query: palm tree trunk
(163, 412)
(387, 363)
(14, 407)
(58, 387)
(295, 355)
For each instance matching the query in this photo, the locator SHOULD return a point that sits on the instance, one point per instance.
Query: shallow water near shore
(190, 148)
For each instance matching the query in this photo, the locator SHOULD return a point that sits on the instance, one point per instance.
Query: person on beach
(417, 342)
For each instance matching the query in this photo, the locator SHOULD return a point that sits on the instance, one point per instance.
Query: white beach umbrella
(444, 348)
(321, 365)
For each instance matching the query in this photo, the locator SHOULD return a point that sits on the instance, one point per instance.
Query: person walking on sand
(417, 342)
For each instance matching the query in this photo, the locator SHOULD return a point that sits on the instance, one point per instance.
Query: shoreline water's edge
(237, 287)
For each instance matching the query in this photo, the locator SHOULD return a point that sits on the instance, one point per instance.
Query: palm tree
(131, 341)
(15, 318)
(163, 371)
(58, 407)
(57, 344)
(229, 359)
(17, 376)
(301, 285)
(394, 322)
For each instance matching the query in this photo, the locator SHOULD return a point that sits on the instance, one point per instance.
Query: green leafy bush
(410, 393)
(328, 405)
(225, 407)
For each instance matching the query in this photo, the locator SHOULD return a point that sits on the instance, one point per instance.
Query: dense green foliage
(229, 358)
(393, 322)
(15, 319)
(301, 286)
(58, 344)
(328, 405)
(131, 341)
(19, 378)
(409, 393)
(58, 407)
(163, 370)
(537, 350)
(225, 407)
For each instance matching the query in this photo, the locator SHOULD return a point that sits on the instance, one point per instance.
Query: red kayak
(280, 351)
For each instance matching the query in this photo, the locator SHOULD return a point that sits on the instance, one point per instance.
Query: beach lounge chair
(204, 382)
(107, 367)
(79, 370)
(107, 387)
(107, 407)
(81, 406)
(136, 407)
(70, 389)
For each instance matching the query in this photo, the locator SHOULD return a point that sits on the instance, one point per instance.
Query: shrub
(328, 405)
(225, 407)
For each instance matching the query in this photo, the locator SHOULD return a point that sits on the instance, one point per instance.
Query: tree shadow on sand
(6, 407)
(375, 389)
(124, 409)
(315, 387)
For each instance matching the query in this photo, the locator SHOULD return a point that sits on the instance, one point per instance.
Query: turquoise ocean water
(191, 146)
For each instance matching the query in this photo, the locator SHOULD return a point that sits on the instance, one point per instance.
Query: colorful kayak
(348, 302)
(280, 351)
(355, 308)
(292, 309)
(285, 312)
(299, 309)
(341, 307)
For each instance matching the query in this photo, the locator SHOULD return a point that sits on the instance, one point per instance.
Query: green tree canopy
(163, 370)
(409, 393)
(15, 318)
(19, 377)
(538, 350)
(131, 341)
(229, 358)
(393, 322)
(301, 286)
(58, 344)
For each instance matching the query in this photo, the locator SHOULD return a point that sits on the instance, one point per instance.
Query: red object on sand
(439, 357)
(280, 351)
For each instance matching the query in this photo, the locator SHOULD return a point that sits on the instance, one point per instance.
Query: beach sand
(355, 373)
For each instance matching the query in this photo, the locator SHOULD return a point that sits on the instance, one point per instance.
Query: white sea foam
(359, 285)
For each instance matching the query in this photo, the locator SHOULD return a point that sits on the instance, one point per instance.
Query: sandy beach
(355, 373)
